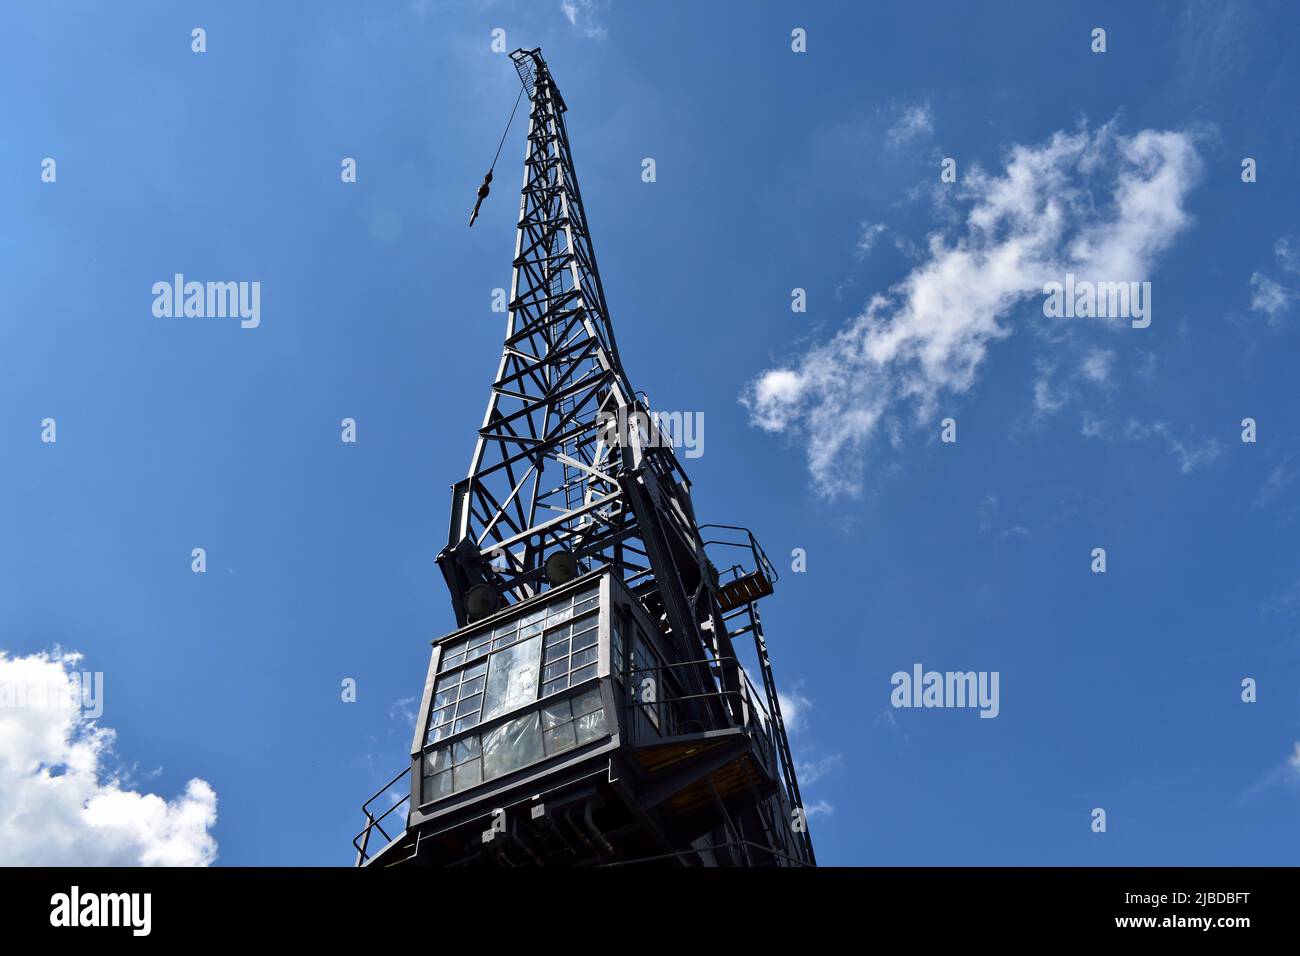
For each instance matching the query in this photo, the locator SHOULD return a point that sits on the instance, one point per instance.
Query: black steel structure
(593, 706)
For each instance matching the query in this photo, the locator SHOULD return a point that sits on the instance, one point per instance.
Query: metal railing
(669, 707)
(733, 536)
(361, 841)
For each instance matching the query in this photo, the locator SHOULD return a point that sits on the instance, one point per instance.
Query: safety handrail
(361, 841)
(751, 703)
(761, 563)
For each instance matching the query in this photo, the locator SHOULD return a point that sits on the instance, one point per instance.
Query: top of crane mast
(531, 66)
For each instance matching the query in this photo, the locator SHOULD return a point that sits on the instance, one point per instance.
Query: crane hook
(482, 194)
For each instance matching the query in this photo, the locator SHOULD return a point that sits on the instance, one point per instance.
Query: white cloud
(1277, 481)
(914, 121)
(820, 807)
(1287, 250)
(1092, 427)
(584, 15)
(812, 771)
(402, 711)
(1095, 203)
(867, 237)
(1269, 297)
(1191, 454)
(988, 514)
(60, 805)
(1096, 365)
(794, 708)
(1047, 400)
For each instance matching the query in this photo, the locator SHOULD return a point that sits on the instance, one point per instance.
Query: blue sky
(1119, 690)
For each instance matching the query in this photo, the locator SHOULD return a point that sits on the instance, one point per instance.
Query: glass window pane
(581, 658)
(451, 660)
(465, 723)
(550, 687)
(472, 687)
(476, 671)
(469, 705)
(586, 702)
(465, 749)
(583, 674)
(555, 670)
(468, 774)
(558, 652)
(451, 680)
(557, 636)
(435, 788)
(437, 733)
(559, 739)
(504, 630)
(437, 761)
(477, 653)
(591, 726)
(514, 744)
(555, 714)
(443, 698)
(584, 606)
(558, 615)
(512, 678)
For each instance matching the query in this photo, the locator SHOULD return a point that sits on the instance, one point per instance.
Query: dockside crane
(592, 706)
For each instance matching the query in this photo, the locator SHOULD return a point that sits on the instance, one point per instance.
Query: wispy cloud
(820, 808)
(1287, 251)
(914, 121)
(1048, 398)
(1278, 480)
(867, 236)
(402, 712)
(1190, 451)
(812, 771)
(586, 17)
(1095, 203)
(794, 707)
(1286, 774)
(1096, 366)
(988, 516)
(1270, 298)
